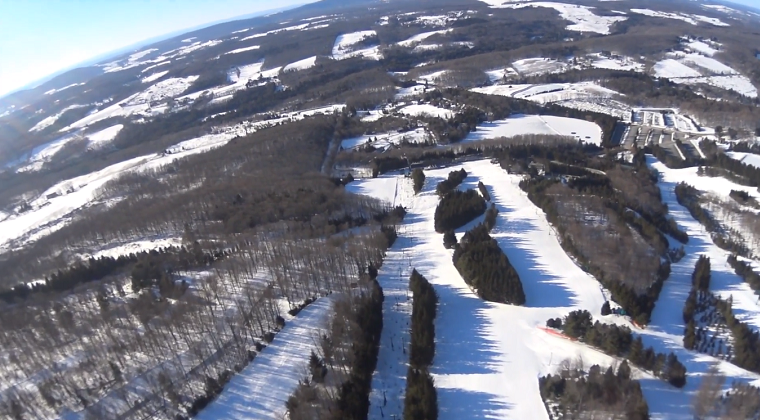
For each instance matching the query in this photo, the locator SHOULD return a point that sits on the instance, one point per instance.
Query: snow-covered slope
(518, 125)
(261, 389)
(584, 20)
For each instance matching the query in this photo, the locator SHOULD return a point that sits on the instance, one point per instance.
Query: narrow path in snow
(261, 390)
(389, 379)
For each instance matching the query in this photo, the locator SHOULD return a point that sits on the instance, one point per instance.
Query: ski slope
(489, 356)
(518, 125)
(481, 369)
(665, 331)
(261, 389)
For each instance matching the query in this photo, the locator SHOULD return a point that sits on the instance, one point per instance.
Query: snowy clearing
(746, 158)
(115, 251)
(416, 39)
(426, 109)
(144, 103)
(47, 122)
(518, 125)
(261, 390)
(344, 46)
(672, 69)
(615, 63)
(702, 47)
(584, 20)
(584, 95)
(53, 91)
(538, 66)
(155, 76)
(692, 19)
(104, 136)
(240, 50)
(43, 154)
(304, 64)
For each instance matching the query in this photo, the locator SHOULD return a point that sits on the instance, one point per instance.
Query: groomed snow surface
(584, 20)
(518, 125)
(261, 390)
(489, 356)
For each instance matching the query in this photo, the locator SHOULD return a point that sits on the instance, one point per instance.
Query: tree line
(567, 207)
(418, 178)
(457, 208)
(689, 197)
(619, 342)
(421, 399)
(484, 267)
(573, 393)
(449, 184)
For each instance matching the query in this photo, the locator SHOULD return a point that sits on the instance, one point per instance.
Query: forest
(573, 393)
(609, 199)
(485, 268)
(457, 208)
(620, 342)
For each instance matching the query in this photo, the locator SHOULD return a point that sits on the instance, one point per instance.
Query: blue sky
(40, 37)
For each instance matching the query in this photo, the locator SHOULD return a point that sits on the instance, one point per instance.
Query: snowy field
(47, 122)
(700, 68)
(261, 390)
(43, 154)
(155, 76)
(54, 91)
(344, 46)
(689, 18)
(584, 95)
(582, 18)
(105, 135)
(746, 158)
(538, 66)
(428, 110)
(241, 50)
(304, 64)
(519, 125)
(614, 63)
(134, 247)
(416, 39)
